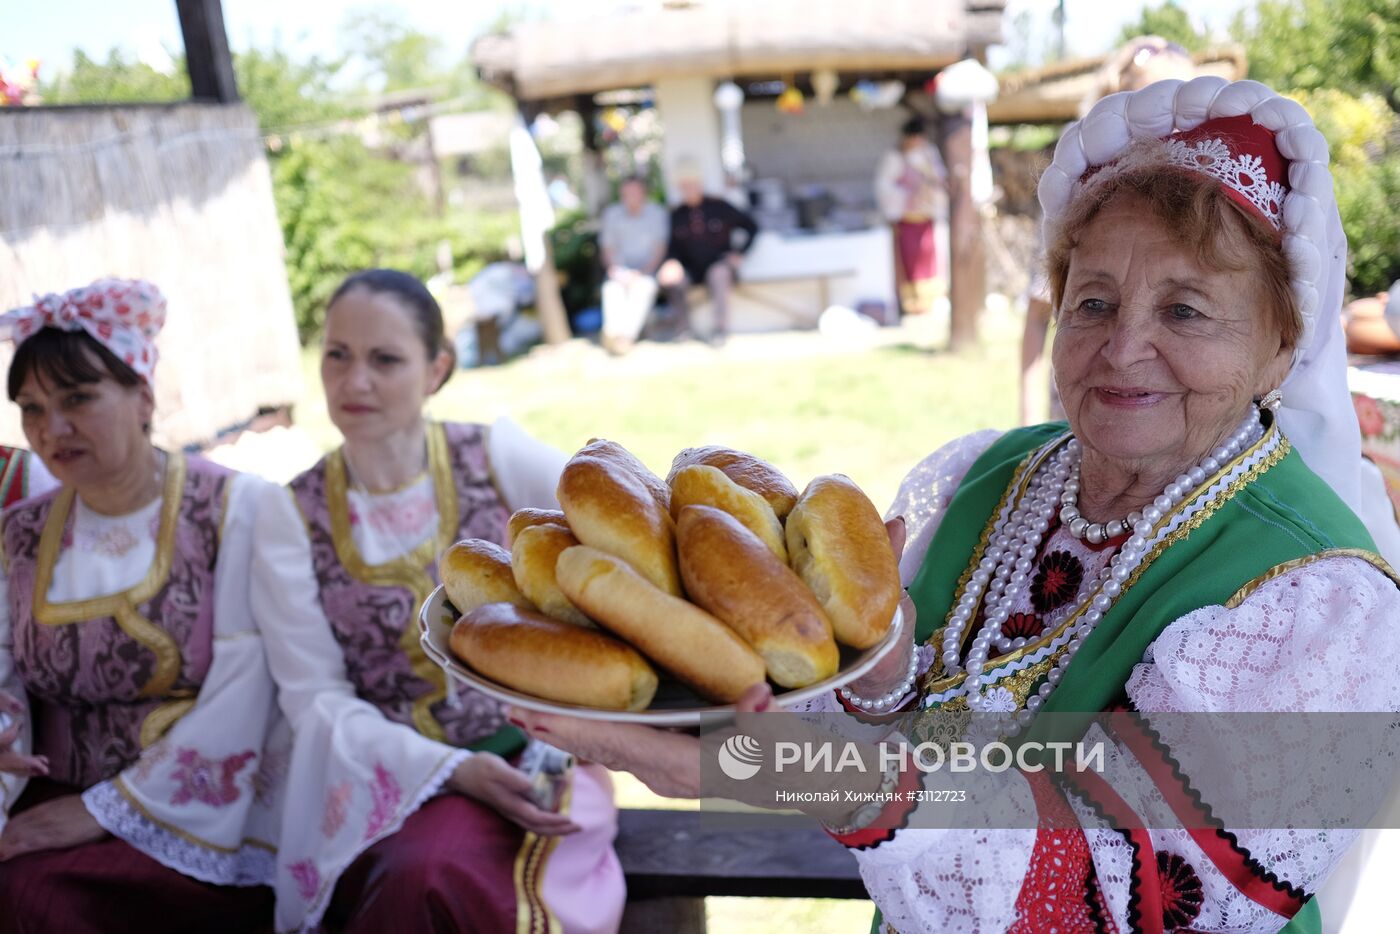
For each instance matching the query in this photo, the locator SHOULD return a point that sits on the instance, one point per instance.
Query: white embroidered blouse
(356, 775)
(1304, 632)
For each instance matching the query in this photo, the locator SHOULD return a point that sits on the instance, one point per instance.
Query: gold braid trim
(122, 606)
(408, 571)
(1019, 686)
(532, 914)
(934, 680)
(1370, 557)
(159, 721)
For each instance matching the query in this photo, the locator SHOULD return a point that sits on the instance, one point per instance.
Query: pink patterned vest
(373, 609)
(104, 687)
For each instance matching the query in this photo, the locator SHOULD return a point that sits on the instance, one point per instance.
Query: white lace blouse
(1304, 631)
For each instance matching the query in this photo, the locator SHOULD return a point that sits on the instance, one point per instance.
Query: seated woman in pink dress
(405, 810)
(139, 749)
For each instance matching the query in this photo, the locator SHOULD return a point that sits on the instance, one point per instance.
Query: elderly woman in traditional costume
(1202, 536)
(139, 767)
(406, 810)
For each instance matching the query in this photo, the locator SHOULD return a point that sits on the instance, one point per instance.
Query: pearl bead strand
(1056, 482)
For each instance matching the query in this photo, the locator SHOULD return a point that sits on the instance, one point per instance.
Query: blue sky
(50, 29)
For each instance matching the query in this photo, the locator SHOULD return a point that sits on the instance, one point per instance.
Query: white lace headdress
(1216, 127)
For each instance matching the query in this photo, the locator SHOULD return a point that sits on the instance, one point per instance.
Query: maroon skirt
(110, 887)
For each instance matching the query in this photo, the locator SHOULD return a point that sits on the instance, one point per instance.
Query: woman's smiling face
(1157, 356)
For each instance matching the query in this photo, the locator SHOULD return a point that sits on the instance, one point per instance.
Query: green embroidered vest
(1273, 515)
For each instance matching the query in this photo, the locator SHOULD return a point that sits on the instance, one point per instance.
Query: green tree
(1307, 45)
(1169, 21)
(117, 80)
(397, 55)
(1341, 58)
(285, 92)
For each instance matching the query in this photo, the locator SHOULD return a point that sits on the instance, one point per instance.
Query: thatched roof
(729, 38)
(1054, 94)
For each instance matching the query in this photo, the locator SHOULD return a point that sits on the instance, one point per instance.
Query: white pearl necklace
(1004, 573)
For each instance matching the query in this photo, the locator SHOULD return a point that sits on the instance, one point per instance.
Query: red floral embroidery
(1182, 893)
(337, 807)
(307, 877)
(208, 781)
(385, 795)
(1022, 626)
(1056, 581)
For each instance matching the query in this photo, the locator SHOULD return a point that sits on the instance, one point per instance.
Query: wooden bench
(801, 314)
(673, 859)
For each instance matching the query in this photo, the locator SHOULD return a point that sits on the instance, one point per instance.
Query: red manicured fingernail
(764, 704)
(515, 722)
(540, 729)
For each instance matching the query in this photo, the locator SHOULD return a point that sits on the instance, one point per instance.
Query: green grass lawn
(797, 400)
(870, 414)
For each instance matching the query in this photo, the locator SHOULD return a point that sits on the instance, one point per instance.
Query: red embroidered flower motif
(1369, 414)
(1056, 581)
(1022, 626)
(1182, 894)
(384, 795)
(307, 878)
(337, 807)
(208, 781)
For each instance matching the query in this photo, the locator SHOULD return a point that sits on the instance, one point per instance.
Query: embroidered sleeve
(526, 469)
(354, 775)
(203, 799)
(1291, 646)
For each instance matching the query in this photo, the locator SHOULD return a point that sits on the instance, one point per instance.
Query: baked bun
(679, 636)
(532, 558)
(703, 485)
(839, 547)
(729, 572)
(474, 572)
(524, 518)
(609, 507)
(749, 472)
(536, 655)
(619, 455)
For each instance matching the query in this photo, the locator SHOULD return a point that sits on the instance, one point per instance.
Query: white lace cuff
(249, 864)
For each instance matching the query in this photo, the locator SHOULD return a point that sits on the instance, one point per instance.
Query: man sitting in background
(633, 239)
(702, 250)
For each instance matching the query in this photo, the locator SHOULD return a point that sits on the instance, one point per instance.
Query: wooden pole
(207, 56)
(967, 267)
(554, 320)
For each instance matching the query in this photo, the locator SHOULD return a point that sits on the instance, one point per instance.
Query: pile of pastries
(720, 576)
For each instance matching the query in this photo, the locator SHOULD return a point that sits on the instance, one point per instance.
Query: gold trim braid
(159, 721)
(532, 914)
(123, 606)
(1370, 557)
(408, 571)
(1018, 682)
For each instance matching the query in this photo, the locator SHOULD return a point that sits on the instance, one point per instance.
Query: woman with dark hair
(139, 755)
(909, 188)
(406, 808)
